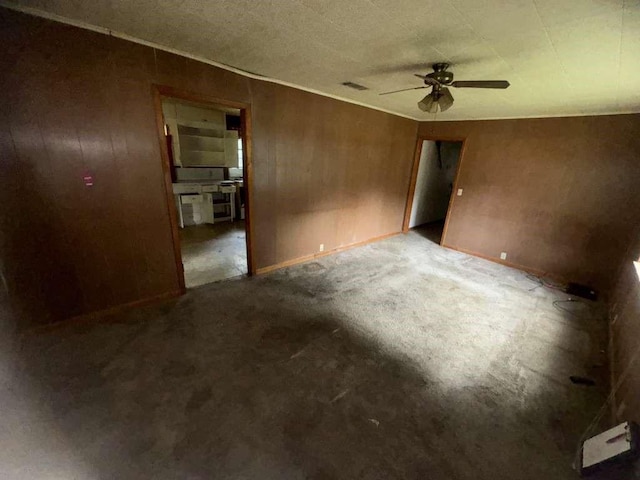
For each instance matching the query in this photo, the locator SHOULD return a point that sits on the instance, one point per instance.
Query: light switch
(459, 192)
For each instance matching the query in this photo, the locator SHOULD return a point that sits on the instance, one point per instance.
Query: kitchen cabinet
(204, 203)
(219, 206)
(200, 136)
(189, 208)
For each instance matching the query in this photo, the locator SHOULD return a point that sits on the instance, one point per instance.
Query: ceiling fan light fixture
(440, 100)
(428, 104)
(445, 100)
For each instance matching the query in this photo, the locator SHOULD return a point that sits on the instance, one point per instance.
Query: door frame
(161, 92)
(414, 178)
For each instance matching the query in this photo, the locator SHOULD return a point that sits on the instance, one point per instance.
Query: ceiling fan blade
(446, 99)
(404, 90)
(480, 84)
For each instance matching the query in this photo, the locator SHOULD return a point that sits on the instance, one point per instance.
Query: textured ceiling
(562, 57)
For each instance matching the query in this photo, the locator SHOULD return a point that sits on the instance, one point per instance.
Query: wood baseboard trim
(517, 266)
(306, 258)
(103, 315)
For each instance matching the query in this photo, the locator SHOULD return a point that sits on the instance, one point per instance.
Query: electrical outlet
(322, 247)
(503, 255)
(459, 192)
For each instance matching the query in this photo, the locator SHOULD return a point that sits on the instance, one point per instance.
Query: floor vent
(354, 86)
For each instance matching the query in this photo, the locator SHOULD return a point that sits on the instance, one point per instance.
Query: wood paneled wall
(559, 195)
(333, 175)
(78, 103)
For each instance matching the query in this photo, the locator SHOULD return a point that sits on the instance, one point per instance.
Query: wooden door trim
(168, 187)
(247, 182)
(414, 178)
(159, 92)
(453, 190)
(412, 185)
(171, 92)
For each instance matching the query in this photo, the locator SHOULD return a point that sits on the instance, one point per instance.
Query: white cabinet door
(206, 208)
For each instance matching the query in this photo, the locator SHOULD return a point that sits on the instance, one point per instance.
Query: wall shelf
(200, 136)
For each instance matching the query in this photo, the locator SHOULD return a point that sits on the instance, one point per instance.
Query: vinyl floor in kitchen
(211, 253)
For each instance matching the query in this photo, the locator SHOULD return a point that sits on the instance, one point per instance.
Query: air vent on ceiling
(354, 86)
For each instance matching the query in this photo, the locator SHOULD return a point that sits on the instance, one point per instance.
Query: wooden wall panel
(78, 103)
(332, 173)
(559, 195)
(89, 105)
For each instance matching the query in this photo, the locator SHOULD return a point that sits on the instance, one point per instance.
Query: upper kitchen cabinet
(199, 136)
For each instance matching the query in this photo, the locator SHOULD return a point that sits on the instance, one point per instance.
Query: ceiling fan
(439, 80)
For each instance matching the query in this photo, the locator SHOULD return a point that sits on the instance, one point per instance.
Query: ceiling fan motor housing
(440, 73)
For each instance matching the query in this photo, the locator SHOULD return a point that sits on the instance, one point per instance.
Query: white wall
(433, 184)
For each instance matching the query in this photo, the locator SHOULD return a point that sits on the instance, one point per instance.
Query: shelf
(201, 130)
(203, 143)
(192, 135)
(190, 143)
(189, 150)
(201, 157)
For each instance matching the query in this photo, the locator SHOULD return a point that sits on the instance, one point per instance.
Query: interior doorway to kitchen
(205, 145)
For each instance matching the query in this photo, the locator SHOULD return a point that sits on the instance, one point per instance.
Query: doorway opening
(435, 178)
(205, 144)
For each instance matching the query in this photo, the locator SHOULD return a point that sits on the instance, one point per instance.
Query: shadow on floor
(431, 231)
(367, 364)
